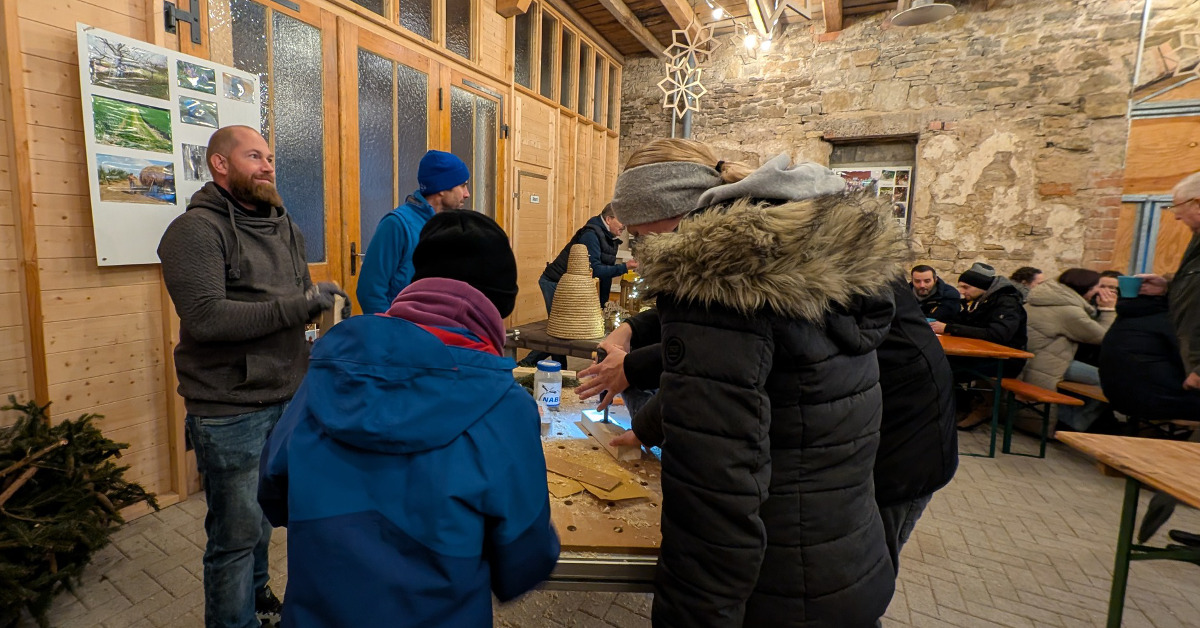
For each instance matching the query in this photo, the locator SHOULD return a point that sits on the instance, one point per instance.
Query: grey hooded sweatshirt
(238, 283)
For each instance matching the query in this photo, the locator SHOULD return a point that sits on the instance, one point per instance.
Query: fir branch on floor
(61, 497)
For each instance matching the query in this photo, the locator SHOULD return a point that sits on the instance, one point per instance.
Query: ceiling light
(718, 13)
(751, 41)
(766, 45)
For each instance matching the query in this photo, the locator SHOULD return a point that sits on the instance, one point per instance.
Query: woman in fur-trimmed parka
(773, 295)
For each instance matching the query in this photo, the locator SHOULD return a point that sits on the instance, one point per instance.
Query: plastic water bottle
(547, 384)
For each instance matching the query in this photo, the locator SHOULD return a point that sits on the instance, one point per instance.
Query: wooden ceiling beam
(681, 12)
(870, 8)
(626, 18)
(571, 15)
(832, 10)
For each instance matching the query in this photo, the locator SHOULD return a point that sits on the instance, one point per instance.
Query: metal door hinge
(172, 15)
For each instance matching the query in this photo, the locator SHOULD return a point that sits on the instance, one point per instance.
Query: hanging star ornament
(682, 89)
(1188, 55)
(692, 45)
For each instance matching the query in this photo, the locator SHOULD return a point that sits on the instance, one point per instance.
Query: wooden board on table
(587, 522)
(1166, 465)
(624, 490)
(562, 486)
(581, 473)
(604, 433)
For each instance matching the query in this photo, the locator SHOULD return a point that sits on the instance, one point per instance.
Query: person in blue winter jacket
(387, 264)
(408, 468)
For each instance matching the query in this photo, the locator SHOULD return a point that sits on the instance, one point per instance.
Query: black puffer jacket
(602, 248)
(998, 316)
(1141, 370)
(770, 407)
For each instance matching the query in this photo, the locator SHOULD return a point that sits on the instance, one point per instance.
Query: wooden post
(22, 187)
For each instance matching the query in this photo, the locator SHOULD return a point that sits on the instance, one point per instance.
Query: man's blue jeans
(228, 449)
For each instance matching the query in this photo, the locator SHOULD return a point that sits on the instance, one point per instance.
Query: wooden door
(471, 126)
(389, 121)
(1160, 153)
(533, 246)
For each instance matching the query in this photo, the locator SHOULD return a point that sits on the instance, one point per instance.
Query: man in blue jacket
(387, 267)
(408, 468)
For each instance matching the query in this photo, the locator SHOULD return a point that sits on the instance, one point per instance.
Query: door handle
(353, 258)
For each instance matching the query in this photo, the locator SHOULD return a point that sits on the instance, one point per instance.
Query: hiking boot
(267, 607)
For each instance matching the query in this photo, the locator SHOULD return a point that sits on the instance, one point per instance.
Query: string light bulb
(751, 41)
(765, 46)
(718, 13)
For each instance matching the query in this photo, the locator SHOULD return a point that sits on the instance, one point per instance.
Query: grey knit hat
(659, 191)
(979, 275)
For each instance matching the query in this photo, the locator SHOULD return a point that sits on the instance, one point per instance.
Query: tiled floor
(1013, 541)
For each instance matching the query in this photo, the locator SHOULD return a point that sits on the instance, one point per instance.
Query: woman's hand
(1106, 298)
(628, 438)
(608, 375)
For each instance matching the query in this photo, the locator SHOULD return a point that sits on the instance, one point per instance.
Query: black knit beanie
(470, 247)
(980, 275)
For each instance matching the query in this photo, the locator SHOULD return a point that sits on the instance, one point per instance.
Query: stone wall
(1019, 109)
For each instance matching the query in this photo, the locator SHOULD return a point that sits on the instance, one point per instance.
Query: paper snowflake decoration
(682, 89)
(1188, 55)
(692, 45)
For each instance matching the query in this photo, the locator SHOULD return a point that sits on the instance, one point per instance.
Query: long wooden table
(957, 346)
(533, 336)
(1164, 465)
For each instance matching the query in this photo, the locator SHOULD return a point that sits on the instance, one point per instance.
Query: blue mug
(1128, 286)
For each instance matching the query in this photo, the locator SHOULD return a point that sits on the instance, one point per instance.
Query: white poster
(892, 183)
(148, 114)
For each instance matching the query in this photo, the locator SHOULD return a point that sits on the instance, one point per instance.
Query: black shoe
(268, 607)
(1186, 538)
(1157, 512)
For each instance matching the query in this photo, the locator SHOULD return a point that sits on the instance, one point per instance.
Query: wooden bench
(1039, 400)
(1084, 390)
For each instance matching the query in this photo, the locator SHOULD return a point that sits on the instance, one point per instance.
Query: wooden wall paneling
(76, 273)
(51, 76)
(69, 335)
(600, 193)
(533, 244)
(66, 242)
(16, 112)
(612, 168)
(564, 184)
(1172, 241)
(12, 344)
(582, 208)
(85, 394)
(62, 209)
(10, 275)
(60, 177)
(1123, 247)
(172, 406)
(12, 306)
(50, 144)
(127, 412)
(1160, 152)
(120, 18)
(535, 131)
(58, 112)
(87, 303)
(494, 55)
(347, 65)
(69, 366)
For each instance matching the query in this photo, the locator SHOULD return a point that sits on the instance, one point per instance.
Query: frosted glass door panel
(250, 49)
(417, 16)
(412, 111)
(523, 53)
(462, 134)
(458, 27)
(376, 115)
(300, 129)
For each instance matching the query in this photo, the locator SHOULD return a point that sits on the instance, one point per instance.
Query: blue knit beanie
(439, 171)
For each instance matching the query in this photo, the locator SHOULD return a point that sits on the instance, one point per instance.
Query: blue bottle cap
(549, 366)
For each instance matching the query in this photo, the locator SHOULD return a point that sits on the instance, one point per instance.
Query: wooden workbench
(533, 336)
(1164, 465)
(606, 545)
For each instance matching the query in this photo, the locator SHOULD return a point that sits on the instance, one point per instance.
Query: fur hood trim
(797, 258)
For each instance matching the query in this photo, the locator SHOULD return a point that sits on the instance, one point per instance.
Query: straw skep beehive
(575, 313)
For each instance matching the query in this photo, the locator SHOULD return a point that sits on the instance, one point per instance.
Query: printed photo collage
(152, 132)
(892, 183)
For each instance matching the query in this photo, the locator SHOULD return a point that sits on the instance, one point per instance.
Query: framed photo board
(889, 182)
(148, 113)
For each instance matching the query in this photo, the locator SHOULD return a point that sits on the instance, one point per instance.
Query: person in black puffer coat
(769, 402)
(918, 445)
(1140, 364)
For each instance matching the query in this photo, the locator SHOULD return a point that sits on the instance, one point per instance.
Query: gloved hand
(321, 297)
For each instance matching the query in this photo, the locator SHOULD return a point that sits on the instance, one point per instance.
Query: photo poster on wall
(892, 183)
(148, 113)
